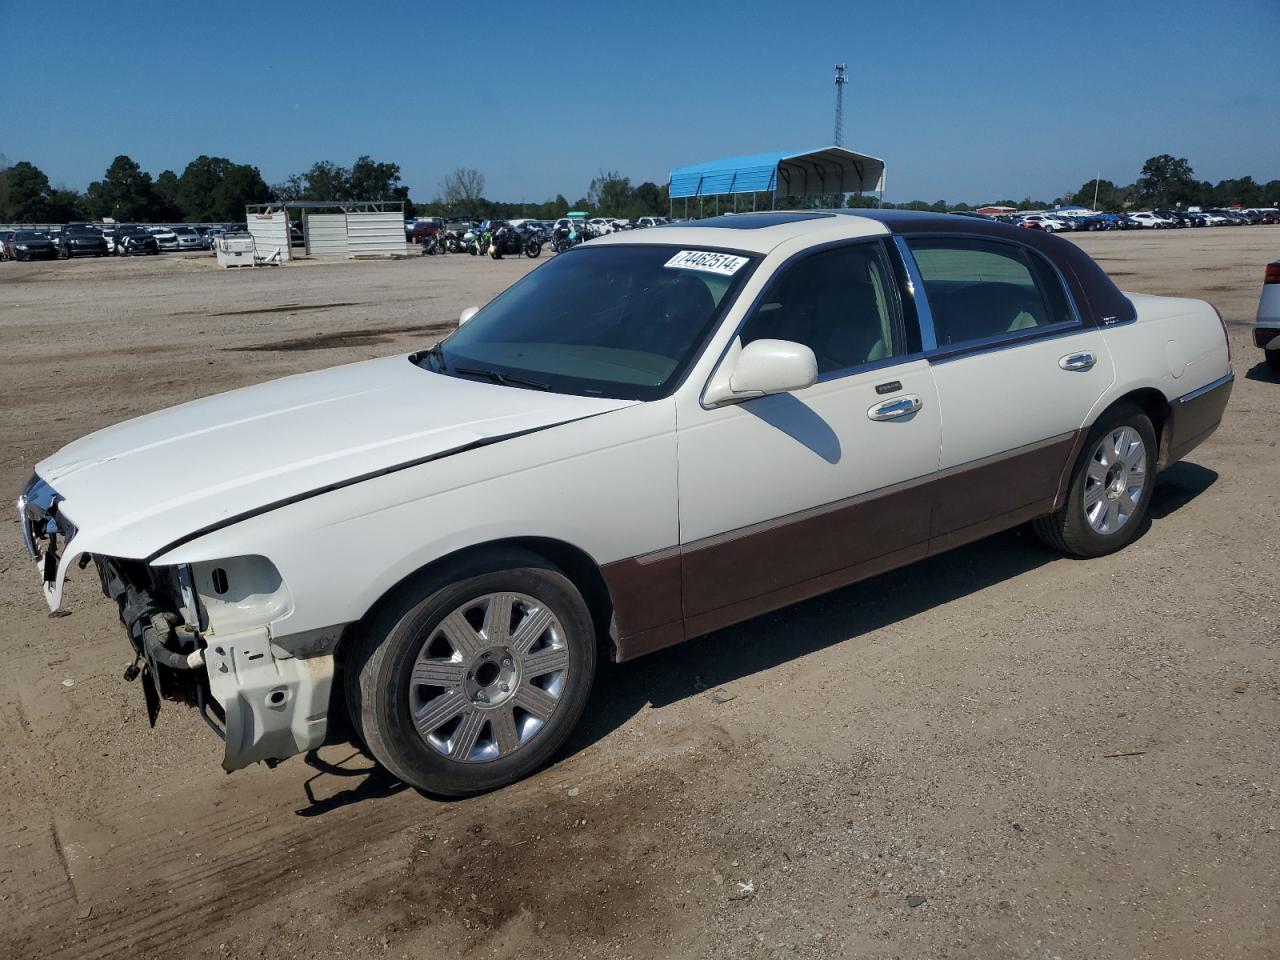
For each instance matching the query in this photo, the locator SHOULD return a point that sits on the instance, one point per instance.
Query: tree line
(1165, 182)
(216, 190)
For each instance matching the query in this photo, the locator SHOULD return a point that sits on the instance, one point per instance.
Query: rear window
(984, 289)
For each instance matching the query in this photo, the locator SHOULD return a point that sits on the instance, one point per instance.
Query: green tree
(609, 194)
(24, 194)
(164, 193)
(1110, 197)
(197, 188)
(327, 181)
(1166, 181)
(462, 191)
(124, 193)
(215, 190)
(241, 184)
(65, 206)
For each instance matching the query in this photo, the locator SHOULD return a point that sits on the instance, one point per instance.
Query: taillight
(1273, 273)
(1225, 335)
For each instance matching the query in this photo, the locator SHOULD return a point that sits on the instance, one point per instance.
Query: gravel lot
(994, 753)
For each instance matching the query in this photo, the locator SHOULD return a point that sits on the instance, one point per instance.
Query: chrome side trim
(1208, 387)
(971, 348)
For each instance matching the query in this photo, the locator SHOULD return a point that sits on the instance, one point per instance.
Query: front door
(788, 496)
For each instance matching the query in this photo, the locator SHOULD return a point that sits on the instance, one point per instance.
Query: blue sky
(964, 100)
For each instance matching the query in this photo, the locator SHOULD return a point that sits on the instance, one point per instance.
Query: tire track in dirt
(364, 848)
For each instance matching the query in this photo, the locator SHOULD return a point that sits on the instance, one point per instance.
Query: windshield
(29, 235)
(184, 231)
(615, 321)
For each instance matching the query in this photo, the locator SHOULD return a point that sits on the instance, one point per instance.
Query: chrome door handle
(1078, 361)
(895, 408)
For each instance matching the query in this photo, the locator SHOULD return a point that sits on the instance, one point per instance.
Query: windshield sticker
(725, 264)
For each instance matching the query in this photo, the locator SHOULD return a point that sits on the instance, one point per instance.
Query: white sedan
(1151, 220)
(1266, 330)
(650, 437)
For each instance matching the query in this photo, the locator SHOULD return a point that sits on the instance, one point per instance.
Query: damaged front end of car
(201, 635)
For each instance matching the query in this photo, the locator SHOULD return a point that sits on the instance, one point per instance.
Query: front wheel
(469, 683)
(1111, 487)
(533, 249)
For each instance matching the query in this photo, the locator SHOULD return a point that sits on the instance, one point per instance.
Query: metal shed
(337, 228)
(782, 173)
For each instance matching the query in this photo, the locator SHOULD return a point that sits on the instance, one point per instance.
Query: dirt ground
(994, 753)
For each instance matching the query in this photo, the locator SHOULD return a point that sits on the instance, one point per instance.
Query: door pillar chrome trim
(924, 316)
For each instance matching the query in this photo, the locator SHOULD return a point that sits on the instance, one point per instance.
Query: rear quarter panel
(1176, 346)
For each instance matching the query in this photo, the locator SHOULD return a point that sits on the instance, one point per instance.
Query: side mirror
(467, 314)
(763, 367)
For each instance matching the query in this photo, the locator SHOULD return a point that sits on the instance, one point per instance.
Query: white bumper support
(275, 706)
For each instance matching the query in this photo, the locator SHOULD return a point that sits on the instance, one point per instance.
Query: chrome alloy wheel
(1114, 480)
(489, 677)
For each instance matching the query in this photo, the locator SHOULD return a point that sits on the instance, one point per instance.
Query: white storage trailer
(347, 228)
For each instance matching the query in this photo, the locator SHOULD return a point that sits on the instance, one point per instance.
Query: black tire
(1273, 360)
(1068, 530)
(381, 660)
(532, 250)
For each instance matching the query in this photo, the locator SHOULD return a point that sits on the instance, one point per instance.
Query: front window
(615, 321)
(842, 303)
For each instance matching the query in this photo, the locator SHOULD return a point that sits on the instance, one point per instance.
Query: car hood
(133, 489)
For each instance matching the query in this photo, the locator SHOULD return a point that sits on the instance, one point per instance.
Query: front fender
(605, 485)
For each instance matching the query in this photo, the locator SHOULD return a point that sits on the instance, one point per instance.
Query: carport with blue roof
(781, 173)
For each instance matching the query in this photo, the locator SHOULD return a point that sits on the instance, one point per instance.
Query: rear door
(1017, 374)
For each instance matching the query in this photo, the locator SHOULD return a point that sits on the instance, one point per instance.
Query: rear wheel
(1111, 486)
(470, 683)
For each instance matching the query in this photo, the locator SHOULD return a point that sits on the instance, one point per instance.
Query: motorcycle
(562, 238)
(506, 239)
(434, 244)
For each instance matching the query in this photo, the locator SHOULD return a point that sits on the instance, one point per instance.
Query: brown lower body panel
(664, 598)
(1193, 419)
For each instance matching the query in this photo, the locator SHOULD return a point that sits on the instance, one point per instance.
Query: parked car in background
(654, 436)
(1045, 222)
(1266, 330)
(109, 235)
(1149, 220)
(166, 239)
(426, 229)
(81, 240)
(188, 238)
(32, 245)
(1175, 217)
(133, 240)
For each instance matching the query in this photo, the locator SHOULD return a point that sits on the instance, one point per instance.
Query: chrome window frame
(884, 239)
(999, 341)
